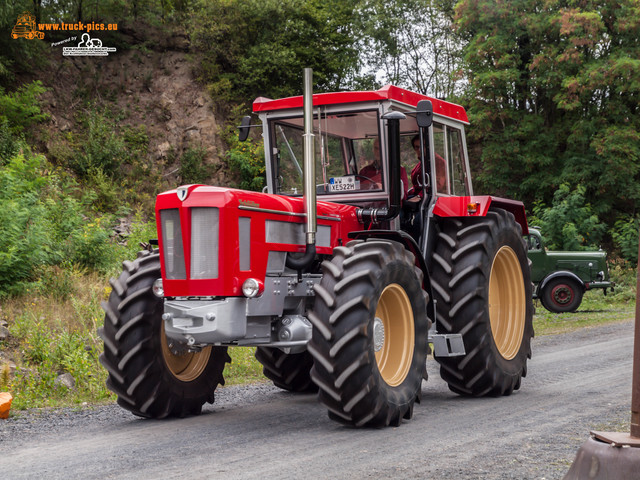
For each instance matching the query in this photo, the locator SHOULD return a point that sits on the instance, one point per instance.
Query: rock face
(156, 88)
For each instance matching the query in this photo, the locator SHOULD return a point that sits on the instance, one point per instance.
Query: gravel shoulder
(577, 382)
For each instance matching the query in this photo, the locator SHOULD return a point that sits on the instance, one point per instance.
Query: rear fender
(478, 206)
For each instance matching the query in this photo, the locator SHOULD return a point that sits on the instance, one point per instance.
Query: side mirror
(424, 113)
(244, 127)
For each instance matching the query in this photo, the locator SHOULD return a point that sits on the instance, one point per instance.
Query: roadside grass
(56, 332)
(596, 308)
(52, 334)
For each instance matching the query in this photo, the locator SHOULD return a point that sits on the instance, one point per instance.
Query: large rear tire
(151, 378)
(481, 283)
(369, 341)
(289, 371)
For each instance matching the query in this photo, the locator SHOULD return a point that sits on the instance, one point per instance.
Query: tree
(259, 47)
(553, 97)
(570, 224)
(411, 43)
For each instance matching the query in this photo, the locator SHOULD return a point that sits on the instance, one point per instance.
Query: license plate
(342, 184)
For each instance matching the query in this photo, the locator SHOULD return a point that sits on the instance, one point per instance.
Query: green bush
(43, 225)
(625, 237)
(247, 159)
(570, 223)
(22, 107)
(9, 146)
(193, 168)
(103, 149)
(25, 243)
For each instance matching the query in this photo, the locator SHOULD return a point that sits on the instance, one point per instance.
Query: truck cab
(562, 277)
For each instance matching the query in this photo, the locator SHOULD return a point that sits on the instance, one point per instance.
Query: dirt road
(576, 382)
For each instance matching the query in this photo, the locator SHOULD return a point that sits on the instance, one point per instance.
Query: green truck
(561, 278)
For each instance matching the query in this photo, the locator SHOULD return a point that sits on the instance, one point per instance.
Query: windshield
(347, 153)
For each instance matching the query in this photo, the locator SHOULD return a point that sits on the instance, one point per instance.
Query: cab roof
(388, 92)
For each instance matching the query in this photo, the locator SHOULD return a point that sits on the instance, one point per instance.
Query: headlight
(251, 287)
(158, 289)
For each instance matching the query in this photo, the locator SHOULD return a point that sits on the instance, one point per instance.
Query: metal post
(635, 389)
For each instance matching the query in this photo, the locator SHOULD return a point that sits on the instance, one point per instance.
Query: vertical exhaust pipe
(309, 192)
(309, 159)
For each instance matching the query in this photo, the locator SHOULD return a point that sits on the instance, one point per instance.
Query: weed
(4, 377)
(193, 168)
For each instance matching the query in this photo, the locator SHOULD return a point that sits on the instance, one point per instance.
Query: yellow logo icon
(26, 27)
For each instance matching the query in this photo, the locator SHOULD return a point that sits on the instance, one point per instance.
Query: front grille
(205, 230)
(172, 248)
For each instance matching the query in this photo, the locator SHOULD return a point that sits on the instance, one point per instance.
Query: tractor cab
(351, 146)
(352, 155)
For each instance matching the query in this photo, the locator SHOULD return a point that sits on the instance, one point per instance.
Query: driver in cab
(371, 175)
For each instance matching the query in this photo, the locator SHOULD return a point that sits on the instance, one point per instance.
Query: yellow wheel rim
(188, 366)
(394, 335)
(507, 302)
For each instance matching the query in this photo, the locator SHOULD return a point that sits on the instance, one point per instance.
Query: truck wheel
(289, 371)
(369, 340)
(149, 376)
(481, 283)
(562, 295)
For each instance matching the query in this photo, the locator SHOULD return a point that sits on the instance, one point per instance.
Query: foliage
(16, 55)
(24, 240)
(570, 223)
(625, 236)
(193, 168)
(21, 108)
(552, 97)
(9, 145)
(103, 149)
(256, 48)
(410, 43)
(43, 225)
(247, 159)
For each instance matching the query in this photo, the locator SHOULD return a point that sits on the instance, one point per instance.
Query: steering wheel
(372, 183)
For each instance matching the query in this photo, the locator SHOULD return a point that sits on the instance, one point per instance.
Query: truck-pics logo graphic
(25, 27)
(88, 47)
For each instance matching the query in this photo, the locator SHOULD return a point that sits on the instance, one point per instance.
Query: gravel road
(577, 382)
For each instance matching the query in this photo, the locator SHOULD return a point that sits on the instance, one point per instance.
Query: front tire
(369, 340)
(481, 282)
(561, 295)
(149, 376)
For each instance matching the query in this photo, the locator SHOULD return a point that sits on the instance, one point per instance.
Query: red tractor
(338, 273)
